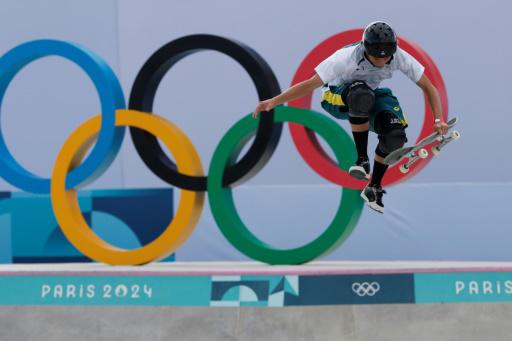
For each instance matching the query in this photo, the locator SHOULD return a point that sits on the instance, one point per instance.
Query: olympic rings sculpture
(106, 131)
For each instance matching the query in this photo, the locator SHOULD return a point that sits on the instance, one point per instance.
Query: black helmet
(379, 39)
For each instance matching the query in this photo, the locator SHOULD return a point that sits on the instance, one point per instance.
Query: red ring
(305, 140)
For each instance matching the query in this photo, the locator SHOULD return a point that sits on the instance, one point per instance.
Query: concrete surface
(369, 322)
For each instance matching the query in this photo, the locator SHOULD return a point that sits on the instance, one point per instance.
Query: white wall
(467, 40)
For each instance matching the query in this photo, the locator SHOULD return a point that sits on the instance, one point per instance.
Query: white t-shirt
(348, 64)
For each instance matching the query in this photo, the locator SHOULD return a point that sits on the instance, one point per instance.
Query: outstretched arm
(298, 90)
(435, 103)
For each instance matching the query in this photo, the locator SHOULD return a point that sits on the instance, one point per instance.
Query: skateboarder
(350, 78)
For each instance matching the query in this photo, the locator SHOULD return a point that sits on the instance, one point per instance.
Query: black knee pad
(358, 120)
(360, 99)
(392, 141)
(391, 132)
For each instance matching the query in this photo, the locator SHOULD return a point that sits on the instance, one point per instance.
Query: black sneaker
(361, 169)
(373, 197)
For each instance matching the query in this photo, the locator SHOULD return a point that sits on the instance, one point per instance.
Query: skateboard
(418, 151)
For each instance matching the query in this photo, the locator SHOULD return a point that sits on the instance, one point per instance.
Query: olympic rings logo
(106, 131)
(365, 288)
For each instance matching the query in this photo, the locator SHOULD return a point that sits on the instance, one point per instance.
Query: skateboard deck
(418, 151)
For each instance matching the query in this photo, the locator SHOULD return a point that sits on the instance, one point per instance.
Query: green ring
(223, 207)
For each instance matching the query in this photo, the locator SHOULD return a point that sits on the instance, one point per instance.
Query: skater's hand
(267, 105)
(441, 127)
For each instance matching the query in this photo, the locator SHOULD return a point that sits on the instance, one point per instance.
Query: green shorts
(334, 99)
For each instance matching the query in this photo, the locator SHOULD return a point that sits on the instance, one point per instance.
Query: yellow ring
(65, 202)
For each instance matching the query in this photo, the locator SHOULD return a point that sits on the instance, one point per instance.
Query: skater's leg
(360, 100)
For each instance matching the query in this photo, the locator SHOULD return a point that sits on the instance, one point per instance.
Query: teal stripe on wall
(105, 290)
(463, 287)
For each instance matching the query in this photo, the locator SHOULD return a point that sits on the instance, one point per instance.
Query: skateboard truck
(413, 158)
(455, 135)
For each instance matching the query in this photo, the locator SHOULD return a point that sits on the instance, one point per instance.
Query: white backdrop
(456, 208)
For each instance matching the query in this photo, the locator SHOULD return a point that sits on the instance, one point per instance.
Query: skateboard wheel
(455, 135)
(423, 153)
(404, 168)
(436, 150)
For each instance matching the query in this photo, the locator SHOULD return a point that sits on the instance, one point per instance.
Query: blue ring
(111, 96)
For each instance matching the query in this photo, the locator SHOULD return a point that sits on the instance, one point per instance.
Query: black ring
(143, 94)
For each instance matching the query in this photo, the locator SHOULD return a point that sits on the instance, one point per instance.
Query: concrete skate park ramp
(252, 301)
